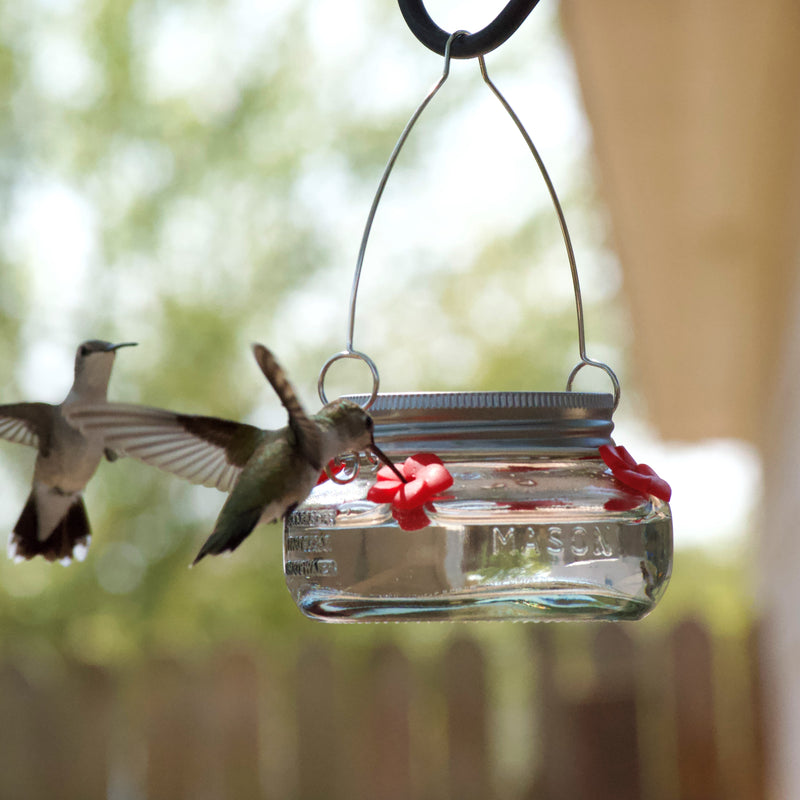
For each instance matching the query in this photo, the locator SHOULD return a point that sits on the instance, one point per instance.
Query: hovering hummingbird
(53, 523)
(268, 473)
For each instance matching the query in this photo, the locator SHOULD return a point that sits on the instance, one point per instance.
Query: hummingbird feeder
(507, 505)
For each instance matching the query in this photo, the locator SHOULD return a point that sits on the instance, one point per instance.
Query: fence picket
(606, 746)
(386, 747)
(235, 710)
(21, 760)
(464, 681)
(37, 759)
(321, 725)
(82, 704)
(179, 763)
(757, 785)
(698, 762)
(556, 776)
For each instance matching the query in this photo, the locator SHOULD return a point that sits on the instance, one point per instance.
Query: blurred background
(195, 176)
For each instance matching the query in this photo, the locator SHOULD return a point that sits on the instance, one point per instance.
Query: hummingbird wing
(276, 480)
(306, 431)
(27, 423)
(205, 450)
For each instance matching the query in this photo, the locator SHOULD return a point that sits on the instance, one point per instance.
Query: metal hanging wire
(349, 352)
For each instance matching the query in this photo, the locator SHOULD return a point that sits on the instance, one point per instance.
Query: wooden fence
(589, 712)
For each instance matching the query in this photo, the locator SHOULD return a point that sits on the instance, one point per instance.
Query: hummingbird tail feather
(69, 539)
(274, 373)
(227, 536)
(307, 432)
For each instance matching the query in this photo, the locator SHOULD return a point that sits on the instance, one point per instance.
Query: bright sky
(190, 56)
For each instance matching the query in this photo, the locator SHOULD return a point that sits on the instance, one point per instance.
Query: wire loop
(351, 467)
(588, 362)
(354, 354)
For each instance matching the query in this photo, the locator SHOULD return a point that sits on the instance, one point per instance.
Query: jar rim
(466, 402)
(490, 421)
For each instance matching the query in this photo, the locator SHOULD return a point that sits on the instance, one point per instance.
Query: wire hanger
(349, 352)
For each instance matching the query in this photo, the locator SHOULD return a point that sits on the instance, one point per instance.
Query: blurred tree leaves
(215, 164)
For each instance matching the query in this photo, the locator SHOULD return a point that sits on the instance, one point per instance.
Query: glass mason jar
(534, 526)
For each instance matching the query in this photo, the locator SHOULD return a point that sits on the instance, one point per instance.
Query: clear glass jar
(534, 526)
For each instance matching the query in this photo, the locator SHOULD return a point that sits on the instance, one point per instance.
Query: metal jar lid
(483, 422)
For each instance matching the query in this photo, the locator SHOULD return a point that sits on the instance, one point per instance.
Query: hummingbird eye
(370, 423)
(84, 351)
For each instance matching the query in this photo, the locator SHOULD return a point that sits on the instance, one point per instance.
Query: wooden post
(695, 124)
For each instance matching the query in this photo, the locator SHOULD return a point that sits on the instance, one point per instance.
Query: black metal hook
(466, 46)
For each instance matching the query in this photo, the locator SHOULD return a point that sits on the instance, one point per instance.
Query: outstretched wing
(205, 450)
(306, 431)
(26, 423)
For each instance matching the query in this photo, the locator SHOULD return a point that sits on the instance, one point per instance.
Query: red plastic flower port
(639, 477)
(426, 477)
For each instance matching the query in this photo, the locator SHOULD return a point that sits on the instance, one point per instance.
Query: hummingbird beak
(386, 460)
(122, 344)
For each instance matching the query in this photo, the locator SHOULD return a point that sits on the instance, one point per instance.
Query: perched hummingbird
(53, 523)
(268, 473)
